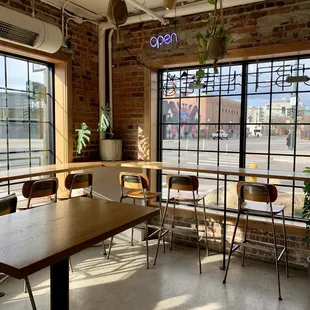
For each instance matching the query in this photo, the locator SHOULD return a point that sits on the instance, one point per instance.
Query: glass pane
(280, 143)
(299, 200)
(258, 109)
(231, 79)
(284, 163)
(2, 72)
(3, 190)
(258, 161)
(257, 138)
(170, 111)
(38, 78)
(209, 187)
(41, 136)
(209, 110)
(301, 163)
(16, 73)
(281, 109)
(304, 70)
(282, 70)
(303, 140)
(18, 137)
(41, 158)
(170, 134)
(285, 196)
(259, 77)
(232, 141)
(170, 157)
(18, 108)
(19, 160)
(208, 143)
(230, 109)
(189, 157)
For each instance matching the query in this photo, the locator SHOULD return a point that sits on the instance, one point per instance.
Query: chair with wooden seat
(135, 187)
(258, 198)
(75, 181)
(8, 205)
(183, 188)
(39, 189)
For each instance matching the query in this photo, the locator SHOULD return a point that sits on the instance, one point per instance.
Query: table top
(37, 238)
(21, 173)
(219, 170)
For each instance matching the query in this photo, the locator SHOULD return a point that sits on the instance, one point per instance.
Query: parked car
(220, 134)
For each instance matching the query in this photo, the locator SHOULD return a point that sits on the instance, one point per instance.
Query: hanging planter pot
(217, 49)
(169, 4)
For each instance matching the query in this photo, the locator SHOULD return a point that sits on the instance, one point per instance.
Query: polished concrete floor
(174, 283)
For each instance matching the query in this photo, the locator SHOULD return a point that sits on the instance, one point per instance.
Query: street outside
(188, 155)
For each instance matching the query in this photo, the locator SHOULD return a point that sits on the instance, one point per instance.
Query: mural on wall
(182, 115)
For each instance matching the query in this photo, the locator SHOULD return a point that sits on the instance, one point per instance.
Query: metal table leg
(60, 285)
(223, 267)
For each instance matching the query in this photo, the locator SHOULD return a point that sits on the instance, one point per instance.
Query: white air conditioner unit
(31, 32)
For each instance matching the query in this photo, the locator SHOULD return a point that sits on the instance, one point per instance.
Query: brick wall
(85, 98)
(259, 24)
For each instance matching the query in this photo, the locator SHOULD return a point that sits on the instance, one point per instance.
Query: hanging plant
(213, 44)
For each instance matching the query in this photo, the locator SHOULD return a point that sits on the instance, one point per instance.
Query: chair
(259, 198)
(39, 189)
(78, 181)
(190, 185)
(135, 186)
(8, 205)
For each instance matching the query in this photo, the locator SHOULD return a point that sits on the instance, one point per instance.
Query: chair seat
(187, 196)
(138, 194)
(261, 207)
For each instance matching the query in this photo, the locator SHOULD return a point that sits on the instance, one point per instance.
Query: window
(26, 116)
(268, 126)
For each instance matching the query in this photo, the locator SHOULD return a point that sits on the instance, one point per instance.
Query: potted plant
(213, 44)
(196, 84)
(306, 213)
(110, 149)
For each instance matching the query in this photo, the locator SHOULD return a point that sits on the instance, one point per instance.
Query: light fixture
(297, 79)
(169, 4)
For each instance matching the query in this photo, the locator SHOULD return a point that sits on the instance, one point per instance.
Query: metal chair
(78, 181)
(135, 186)
(8, 205)
(189, 184)
(39, 189)
(259, 198)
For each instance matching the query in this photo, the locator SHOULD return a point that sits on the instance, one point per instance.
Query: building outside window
(248, 115)
(26, 116)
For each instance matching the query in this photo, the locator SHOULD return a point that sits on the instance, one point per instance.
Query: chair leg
(276, 255)
(147, 245)
(70, 265)
(197, 234)
(285, 244)
(232, 245)
(132, 231)
(160, 231)
(30, 294)
(172, 225)
(161, 216)
(110, 247)
(25, 287)
(104, 252)
(245, 235)
(206, 228)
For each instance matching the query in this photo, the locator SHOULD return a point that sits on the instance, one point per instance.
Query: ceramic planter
(111, 149)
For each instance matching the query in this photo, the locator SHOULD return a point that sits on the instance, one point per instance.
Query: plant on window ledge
(83, 136)
(213, 44)
(306, 212)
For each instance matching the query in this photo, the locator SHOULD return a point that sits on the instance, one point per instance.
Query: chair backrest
(258, 192)
(8, 204)
(133, 181)
(40, 188)
(79, 180)
(182, 182)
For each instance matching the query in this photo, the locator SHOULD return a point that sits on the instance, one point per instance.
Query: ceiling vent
(24, 30)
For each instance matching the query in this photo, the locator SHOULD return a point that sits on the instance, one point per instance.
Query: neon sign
(165, 39)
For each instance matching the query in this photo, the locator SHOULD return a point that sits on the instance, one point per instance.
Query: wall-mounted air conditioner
(31, 32)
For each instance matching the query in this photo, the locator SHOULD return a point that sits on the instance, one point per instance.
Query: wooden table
(46, 236)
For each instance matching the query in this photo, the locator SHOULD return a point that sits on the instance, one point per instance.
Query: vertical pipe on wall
(110, 50)
(102, 65)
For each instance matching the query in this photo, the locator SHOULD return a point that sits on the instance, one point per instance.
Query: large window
(26, 116)
(251, 114)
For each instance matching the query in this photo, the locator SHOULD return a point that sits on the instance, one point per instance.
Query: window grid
(170, 82)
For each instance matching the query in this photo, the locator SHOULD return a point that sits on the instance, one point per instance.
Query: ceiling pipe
(188, 9)
(152, 15)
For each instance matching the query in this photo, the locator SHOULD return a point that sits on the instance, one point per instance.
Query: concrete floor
(174, 283)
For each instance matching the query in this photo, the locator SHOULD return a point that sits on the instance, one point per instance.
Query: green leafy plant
(213, 31)
(306, 208)
(104, 124)
(83, 136)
